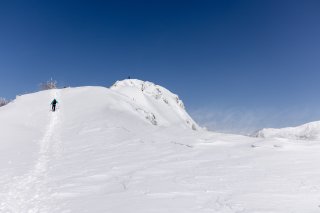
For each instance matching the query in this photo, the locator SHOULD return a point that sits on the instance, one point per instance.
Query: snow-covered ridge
(158, 104)
(145, 101)
(308, 131)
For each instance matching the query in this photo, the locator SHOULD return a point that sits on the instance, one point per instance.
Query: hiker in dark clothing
(54, 103)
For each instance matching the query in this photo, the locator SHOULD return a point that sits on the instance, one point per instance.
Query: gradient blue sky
(238, 65)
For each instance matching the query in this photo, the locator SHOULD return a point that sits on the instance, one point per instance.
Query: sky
(237, 65)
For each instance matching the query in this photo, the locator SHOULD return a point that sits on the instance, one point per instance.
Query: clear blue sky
(238, 65)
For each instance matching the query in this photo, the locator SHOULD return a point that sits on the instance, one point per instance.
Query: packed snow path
(29, 193)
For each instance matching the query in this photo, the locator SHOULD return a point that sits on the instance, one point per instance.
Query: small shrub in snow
(51, 84)
(3, 102)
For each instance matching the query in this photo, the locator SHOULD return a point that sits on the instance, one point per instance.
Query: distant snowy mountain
(133, 148)
(309, 131)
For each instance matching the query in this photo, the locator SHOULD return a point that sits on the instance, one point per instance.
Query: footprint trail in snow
(29, 193)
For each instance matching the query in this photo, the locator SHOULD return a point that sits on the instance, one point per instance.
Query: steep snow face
(309, 131)
(156, 103)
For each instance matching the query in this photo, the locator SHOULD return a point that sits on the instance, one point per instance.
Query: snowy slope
(99, 153)
(157, 103)
(309, 131)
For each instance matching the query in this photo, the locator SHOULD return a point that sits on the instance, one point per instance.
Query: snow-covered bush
(3, 102)
(51, 84)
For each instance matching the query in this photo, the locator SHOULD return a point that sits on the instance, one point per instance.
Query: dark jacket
(54, 102)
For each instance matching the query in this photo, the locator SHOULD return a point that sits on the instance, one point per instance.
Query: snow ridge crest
(149, 89)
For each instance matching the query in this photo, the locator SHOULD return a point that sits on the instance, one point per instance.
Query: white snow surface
(308, 131)
(123, 150)
(156, 103)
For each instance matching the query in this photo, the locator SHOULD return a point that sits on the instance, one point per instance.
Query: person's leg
(54, 107)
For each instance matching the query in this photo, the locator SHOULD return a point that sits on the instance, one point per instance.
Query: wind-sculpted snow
(116, 150)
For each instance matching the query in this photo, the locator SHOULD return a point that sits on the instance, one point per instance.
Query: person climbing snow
(54, 103)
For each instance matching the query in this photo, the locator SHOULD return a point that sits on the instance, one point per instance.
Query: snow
(157, 103)
(128, 149)
(309, 131)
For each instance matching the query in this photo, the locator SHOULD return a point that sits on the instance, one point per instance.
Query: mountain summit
(156, 103)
